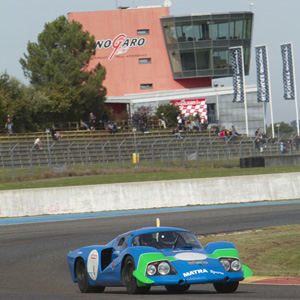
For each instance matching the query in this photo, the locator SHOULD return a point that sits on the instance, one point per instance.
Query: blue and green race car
(153, 256)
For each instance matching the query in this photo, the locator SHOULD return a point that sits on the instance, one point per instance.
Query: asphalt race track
(33, 263)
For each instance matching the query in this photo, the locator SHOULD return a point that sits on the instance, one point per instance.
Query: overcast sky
(275, 23)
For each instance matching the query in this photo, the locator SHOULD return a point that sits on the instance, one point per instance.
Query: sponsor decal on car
(195, 272)
(216, 272)
(92, 264)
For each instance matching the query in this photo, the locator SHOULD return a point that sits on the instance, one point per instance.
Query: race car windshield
(167, 240)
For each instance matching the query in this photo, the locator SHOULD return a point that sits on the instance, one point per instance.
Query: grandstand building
(153, 58)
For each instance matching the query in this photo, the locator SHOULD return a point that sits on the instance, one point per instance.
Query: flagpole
(245, 95)
(270, 94)
(289, 78)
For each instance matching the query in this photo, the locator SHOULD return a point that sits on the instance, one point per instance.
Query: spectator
(204, 124)
(55, 135)
(92, 118)
(9, 124)
(258, 141)
(145, 119)
(136, 119)
(196, 124)
(38, 143)
(257, 132)
(163, 121)
(144, 127)
(183, 122)
(197, 117)
(224, 135)
(105, 119)
(84, 125)
(282, 148)
(177, 133)
(189, 125)
(115, 128)
(233, 129)
(218, 131)
(110, 127)
(179, 122)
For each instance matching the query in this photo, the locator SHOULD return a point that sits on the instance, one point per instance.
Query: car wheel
(83, 280)
(226, 287)
(129, 279)
(174, 289)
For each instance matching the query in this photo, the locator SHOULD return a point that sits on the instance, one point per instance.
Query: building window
(145, 60)
(211, 113)
(146, 86)
(221, 58)
(188, 60)
(143, 32)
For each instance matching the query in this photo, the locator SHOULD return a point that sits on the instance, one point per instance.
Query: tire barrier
(252, 162)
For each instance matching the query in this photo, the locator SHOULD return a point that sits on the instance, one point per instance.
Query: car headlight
(151, 270)
(226, 264)
(231, 264)
(236, 265)
(160, 268)
(164, 268)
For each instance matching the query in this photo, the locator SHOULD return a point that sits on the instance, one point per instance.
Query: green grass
(134, 174)
(272, 251)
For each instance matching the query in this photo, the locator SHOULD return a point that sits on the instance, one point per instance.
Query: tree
(24, 104)
(294, 124)
(284, 129)
(58, 65)
(170, 112)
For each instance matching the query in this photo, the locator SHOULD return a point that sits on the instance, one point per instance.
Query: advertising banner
(236, 54)
(262, 70)
(191, 106)
(288, 72)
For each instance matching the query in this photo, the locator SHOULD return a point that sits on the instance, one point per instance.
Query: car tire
(226, 287)
(175, 289)
(83, 280)
(129, 279)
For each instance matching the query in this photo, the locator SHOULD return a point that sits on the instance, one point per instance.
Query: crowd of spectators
(140, 122)
(228, 134)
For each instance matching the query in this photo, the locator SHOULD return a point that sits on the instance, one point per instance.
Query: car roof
(146, 230)
(156, 229)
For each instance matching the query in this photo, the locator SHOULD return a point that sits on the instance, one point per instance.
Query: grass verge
(271, 251)
(137, 174)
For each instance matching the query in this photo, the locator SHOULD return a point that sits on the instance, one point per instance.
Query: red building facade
(131, 46)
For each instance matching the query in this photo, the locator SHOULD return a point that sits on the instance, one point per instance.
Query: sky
(275, 23)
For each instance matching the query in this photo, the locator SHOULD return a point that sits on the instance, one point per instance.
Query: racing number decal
(92, 264)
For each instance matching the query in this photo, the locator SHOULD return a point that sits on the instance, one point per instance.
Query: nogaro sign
(120, 44)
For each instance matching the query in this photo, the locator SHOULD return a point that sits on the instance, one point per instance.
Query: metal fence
(23, 160)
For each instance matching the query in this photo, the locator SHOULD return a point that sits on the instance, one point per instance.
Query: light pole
(216, 84)
(135, 146)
